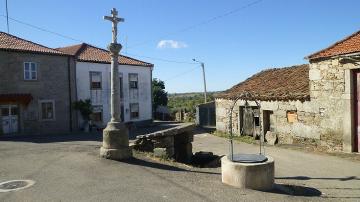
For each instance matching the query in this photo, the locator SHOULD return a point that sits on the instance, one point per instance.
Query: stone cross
(114, 49)
(115, 20)
(115, 136)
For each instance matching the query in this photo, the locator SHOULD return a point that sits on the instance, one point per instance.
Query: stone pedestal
(115, 142)
(258, 176)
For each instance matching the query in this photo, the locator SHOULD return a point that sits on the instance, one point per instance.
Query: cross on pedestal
(115, 20)
(115, 135)
(114, 49)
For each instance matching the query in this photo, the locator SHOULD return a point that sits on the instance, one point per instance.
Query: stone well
(258, 176)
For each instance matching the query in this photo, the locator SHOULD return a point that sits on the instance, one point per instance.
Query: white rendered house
(93, 82)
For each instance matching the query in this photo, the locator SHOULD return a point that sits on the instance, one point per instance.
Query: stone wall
(175, 142)
(331, 88)
(304, 127)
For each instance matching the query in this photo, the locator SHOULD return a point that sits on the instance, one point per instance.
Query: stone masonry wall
(332, 90)
(305, 127)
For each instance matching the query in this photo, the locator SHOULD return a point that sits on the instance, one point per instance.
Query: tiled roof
(350, 44)
(13, 43)
(282, 84)
(88, 53)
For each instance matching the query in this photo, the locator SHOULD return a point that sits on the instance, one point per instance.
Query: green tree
(85, 108)
(160, 96)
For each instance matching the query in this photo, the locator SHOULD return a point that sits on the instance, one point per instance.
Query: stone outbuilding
(315, 102)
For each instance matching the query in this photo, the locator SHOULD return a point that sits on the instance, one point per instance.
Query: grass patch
(245, 139)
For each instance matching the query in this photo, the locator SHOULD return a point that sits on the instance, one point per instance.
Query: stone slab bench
(175, 142)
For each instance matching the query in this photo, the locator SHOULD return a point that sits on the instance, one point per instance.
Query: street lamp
(203, 70)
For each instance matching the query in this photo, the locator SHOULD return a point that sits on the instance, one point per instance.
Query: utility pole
(7, 16)
(204, 79)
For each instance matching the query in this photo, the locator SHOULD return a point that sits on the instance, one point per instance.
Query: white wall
(83, 70)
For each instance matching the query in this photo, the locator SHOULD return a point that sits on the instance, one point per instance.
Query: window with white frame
(134, 110)
(47, 108)
(97, 114)
(95, 80)
(30, 71)
(133, 81)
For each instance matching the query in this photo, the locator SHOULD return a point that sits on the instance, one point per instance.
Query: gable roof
(282, 84)
(350, 44)
(88, 53)
(13, 43)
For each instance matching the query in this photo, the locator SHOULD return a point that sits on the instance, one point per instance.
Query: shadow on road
(318, 178)
(151, 164)
(295, 190)
(55, 138)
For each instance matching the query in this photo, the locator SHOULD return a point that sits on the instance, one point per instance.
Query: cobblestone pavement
(68, 168)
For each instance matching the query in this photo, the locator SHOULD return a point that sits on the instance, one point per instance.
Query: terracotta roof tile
(88, 53)
(350, 44)
(283, 84)
(13, 43)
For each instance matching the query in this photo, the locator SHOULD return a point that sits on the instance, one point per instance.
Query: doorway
(9, 118)
(357, 109)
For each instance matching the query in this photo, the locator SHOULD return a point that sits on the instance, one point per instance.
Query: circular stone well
(258, 176)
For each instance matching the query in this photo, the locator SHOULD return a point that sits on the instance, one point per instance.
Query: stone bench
(173, 142)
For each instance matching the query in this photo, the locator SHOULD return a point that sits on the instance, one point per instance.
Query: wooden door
(357, 110)
(9, 116)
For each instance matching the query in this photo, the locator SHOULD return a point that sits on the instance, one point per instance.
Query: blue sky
(271, 33)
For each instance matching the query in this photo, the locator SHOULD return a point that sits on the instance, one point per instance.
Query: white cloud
(171, 44)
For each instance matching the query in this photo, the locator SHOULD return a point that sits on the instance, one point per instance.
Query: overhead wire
(201, 23)
(161, 59)
(181, 74)
(40, 28)
(154, 58)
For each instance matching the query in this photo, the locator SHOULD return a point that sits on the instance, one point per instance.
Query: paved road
(67, 168)
(336, 178)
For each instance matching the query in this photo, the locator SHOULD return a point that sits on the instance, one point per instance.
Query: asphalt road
(68, 168)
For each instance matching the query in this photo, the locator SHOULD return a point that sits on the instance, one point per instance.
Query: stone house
(316, 102)
(36, 88)
(93, 82)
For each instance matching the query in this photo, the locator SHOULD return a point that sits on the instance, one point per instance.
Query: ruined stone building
(316, 102)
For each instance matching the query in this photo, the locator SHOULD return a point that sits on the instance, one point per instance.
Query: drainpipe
(70, 97)
(151, 93)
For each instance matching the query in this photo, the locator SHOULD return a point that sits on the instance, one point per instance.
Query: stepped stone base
(115, 142)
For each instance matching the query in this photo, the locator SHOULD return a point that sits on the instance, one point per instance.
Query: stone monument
(115, 136)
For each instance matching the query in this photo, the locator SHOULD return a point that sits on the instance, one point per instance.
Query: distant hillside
(187, 102)
(191, 94)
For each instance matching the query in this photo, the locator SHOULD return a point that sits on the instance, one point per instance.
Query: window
(291, 116)
(121, 86)
(30, 71)
(47, 109)
(95, 80)
(134, 110)
(97, 114)
(133, 81)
